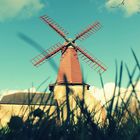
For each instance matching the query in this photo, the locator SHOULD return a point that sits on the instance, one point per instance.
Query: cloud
(129, 7)
(109, 90)
(10, 9)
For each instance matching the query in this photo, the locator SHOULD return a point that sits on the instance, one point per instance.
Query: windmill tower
(69, 62)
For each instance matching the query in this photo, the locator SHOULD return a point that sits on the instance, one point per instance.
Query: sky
(119, 33)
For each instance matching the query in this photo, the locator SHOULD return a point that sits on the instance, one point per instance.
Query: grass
(120, 122)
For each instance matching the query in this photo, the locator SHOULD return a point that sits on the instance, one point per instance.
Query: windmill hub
(70, 42)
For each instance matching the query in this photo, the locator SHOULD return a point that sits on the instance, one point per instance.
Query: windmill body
(69, 67)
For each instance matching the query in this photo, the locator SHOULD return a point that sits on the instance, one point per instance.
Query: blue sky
(119, 33)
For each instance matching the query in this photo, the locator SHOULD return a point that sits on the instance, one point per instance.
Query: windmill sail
(89, 31)
(39, 59)
(91, 60)
(55, 26)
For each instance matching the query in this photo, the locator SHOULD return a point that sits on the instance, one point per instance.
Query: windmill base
(75, 94)
(52, 86)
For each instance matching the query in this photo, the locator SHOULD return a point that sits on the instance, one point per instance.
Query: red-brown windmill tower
(69, 63)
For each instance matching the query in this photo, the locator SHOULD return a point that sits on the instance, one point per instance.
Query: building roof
(26, 98)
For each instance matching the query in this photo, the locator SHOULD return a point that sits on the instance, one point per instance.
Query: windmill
(69, 63)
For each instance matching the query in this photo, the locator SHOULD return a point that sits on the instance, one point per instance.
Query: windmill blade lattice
(61, 31)
(92, 61)
(89, 31)
(39, 59)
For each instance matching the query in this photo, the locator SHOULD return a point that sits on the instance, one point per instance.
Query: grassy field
(122, 121)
